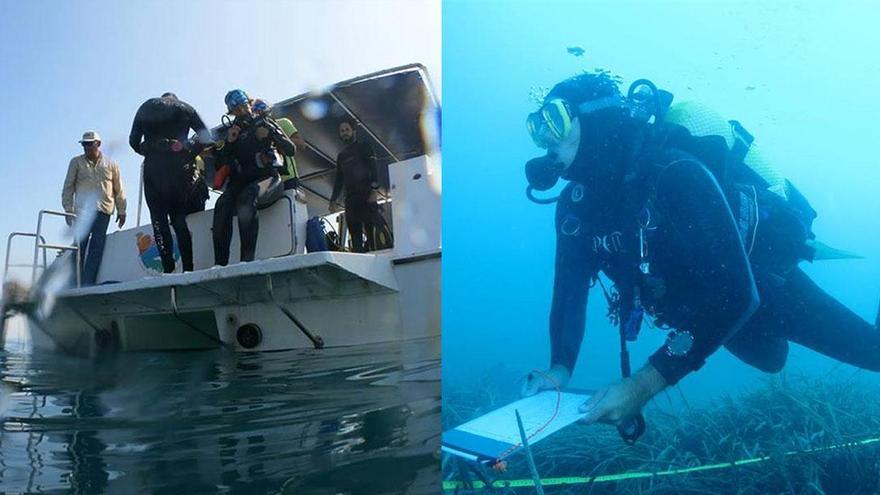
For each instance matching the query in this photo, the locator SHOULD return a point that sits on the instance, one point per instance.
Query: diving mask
(552, 123)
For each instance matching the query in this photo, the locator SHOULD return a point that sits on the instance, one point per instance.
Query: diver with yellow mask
(690, 237)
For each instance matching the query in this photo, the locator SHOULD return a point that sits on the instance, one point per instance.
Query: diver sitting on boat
(688, 233)
(250, 150)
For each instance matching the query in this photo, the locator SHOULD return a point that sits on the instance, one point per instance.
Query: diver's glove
(556, 377)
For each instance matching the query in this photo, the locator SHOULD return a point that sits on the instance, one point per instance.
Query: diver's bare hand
(556, 376)
(621, 401)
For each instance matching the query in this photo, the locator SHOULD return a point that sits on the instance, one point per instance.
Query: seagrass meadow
(789, 434)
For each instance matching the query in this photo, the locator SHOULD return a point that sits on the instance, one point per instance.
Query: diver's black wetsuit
(356, 172)
(700, 277)
(251, 186)
(167, 180)
(796, 309)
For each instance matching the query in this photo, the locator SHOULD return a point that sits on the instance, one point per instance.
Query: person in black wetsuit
(356, 173)
(643, 209)
(160, 133)
(251, 148)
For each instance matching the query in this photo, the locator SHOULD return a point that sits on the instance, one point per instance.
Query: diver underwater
(697, 233)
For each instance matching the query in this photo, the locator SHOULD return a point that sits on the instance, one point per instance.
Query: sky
(72, 66)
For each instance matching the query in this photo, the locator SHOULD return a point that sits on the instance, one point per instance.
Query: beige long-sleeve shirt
(86, 180)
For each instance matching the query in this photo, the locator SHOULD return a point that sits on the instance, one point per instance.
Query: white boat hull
(343, 299)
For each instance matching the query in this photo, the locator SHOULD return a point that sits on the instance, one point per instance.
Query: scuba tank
(754, 188)
(757, 192)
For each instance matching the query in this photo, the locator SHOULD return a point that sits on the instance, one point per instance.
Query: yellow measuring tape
(580, 480)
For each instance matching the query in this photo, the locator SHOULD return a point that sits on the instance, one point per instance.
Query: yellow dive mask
(552, 122)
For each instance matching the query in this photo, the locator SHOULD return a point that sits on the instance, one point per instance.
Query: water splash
(85, 216)
(55, 279)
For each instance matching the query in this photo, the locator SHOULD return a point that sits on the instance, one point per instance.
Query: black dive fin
(825, 252)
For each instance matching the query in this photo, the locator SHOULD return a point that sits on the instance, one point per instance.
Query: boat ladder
(41, 246)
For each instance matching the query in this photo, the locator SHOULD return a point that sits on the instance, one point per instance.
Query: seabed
(790, 434)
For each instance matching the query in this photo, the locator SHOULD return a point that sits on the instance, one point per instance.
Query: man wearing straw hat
(93, 185)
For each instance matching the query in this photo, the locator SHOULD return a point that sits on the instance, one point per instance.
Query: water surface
(353, 420)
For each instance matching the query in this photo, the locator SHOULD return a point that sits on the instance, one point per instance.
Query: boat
(287, 298)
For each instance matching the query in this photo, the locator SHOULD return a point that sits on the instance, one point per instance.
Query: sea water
(356, 420)
(800, 76)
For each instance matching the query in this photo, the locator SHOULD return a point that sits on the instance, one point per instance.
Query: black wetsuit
(167, 174)
(251, 186)
(700, 278)
(356, 172)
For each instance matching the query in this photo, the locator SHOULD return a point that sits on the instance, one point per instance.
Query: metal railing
(38, 245)
(7, 265)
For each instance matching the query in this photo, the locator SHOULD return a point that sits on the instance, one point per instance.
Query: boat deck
(375, 269)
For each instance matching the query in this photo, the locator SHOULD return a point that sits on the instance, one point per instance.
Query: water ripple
(217, 422)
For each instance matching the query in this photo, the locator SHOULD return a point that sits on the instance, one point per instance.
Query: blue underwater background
(802, 77)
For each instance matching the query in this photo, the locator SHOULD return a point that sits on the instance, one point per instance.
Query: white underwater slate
(493, 434)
